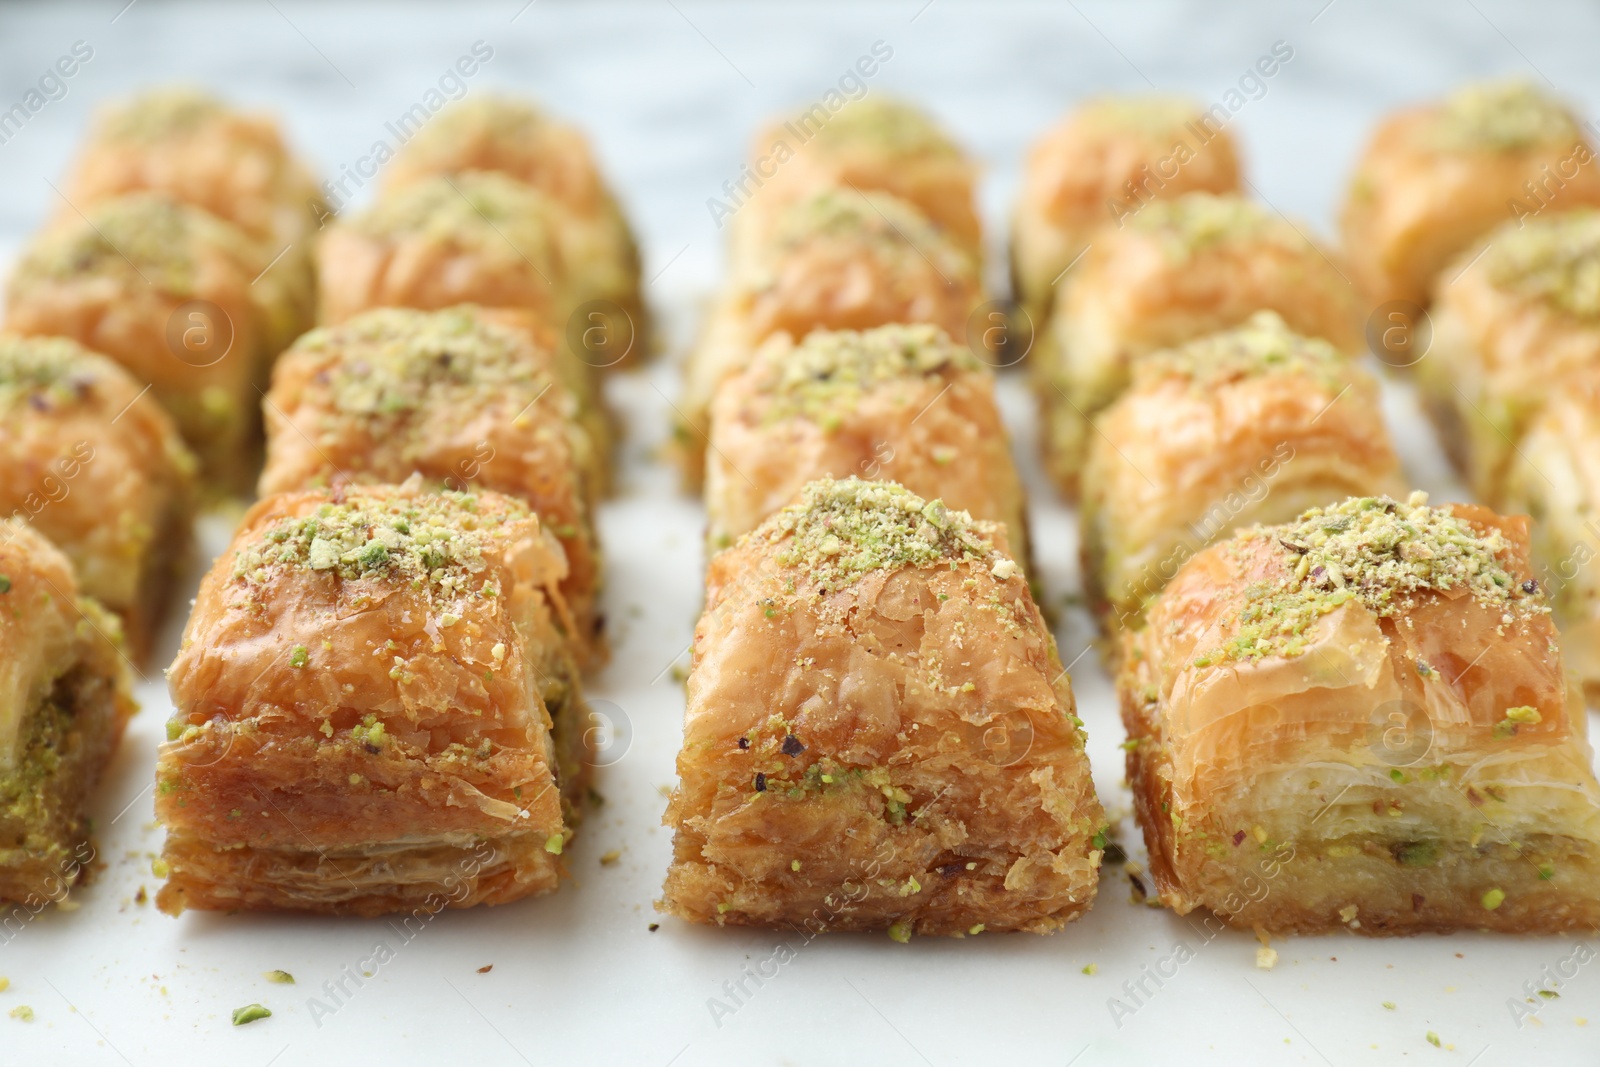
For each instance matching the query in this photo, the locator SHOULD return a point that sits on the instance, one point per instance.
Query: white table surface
(671, 94)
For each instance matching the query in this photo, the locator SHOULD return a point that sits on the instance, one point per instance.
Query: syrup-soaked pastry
(187, 144)
(1436, 177)
(64, 699)
(840, 260)
(1176, 270)
(879, 732)
(1099, 166)
(901, 403)
(1509, 325)
(99, 471)
(467, 397)
(1554, 476)
(517, 138)
(181, 299)
(476, 238)
(376, 710)
(1251, 425)
(1360, 720)
(875, 144)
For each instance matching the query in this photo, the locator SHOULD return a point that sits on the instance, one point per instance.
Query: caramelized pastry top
(1554, 258)
(1384, 554)
(830, 370)
(1263, 345)
(1503, 117)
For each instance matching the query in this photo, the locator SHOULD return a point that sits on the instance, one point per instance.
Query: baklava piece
(901, 403)
(1555, 477)
(1252, 425)
(477, 238)
(100, 471)
(466, 397)
(1177, 270)
(516, 138)
(64, 699)
(839, 260)
(1359, 720)
(175, 295)
(869, 145)
(1100, 166)
(879, 733)
(1511, 322)
(191, 146)
(1436, 177)
(376, 710)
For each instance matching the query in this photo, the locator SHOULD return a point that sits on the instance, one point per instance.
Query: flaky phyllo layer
(375, 683)
(879, 733)
(64, 699)
(1374, 697)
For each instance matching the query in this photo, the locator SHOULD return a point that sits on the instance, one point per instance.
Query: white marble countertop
(671, 92)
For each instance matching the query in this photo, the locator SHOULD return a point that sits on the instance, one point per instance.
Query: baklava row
(1351, 710)
(879, 732)
(499, 204)
(378, 694)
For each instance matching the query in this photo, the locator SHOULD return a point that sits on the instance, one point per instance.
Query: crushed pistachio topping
(250, 1013)
(876, 219)
(900, 930)
(1374, 551)
(54, 370)
(1195, 221)
(895, 127)
(1264, 345)
(144, 237)
(483, 210)
(831, 370)
(1149, 115)
(1555, 259)
(161, 113)
(22, 1012)
(502, 117)
(430, 540)
(841, 530)
(1502, 117)
(393, 361)
(1514, 719)
(280, 977)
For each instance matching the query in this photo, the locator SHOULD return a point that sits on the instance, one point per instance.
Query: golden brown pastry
(175, 295)
(184, 142)
(875, 144)
(518, 139)
(1359, 719)
(1554, 476)
(840, 260)
(900, 403)
(879, 732)
(466, 397)
(1177, 270)
(98, 470)
(187, 144)
(1509, 326)
(477, 238)
(1099, 166)
(376, 710)
(64, 699)
(1436, 177)
(1251, 425)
